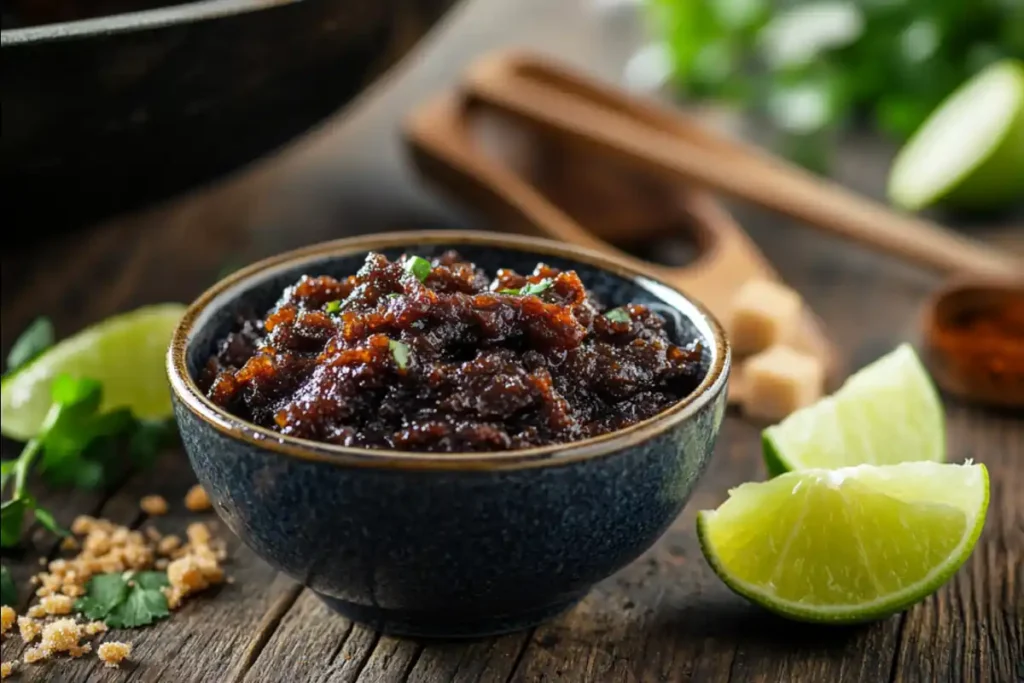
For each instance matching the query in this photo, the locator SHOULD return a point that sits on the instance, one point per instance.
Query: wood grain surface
(663, 618)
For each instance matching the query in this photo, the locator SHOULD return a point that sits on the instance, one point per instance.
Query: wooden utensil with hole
(656, 141)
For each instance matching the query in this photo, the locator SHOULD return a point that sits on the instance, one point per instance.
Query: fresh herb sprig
(77, 444)
(530, 288)
(125, 600)
(8, 591)
(419, 267)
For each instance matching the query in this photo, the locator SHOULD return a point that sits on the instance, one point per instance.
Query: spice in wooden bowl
(974, 341)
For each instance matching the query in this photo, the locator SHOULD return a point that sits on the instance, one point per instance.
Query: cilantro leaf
(8, 591)
(419, 267)
(36, 338)
(125, 600)
(400, 352)
(103, 593)
(618, 315)
(148, 438)
(333, 307)
(530, 288)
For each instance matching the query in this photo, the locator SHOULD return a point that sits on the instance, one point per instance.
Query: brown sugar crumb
(35, 654)
(36, 612)
(191, 574)
(94, 627)
(197, 500)
(153, 505)
(168, 544)
(29, 628)
(153, 535)
(7, 618)
(6, 669)
(57, 604)
(113, 653)
(198, 534)
(69, 543)
(61, 636)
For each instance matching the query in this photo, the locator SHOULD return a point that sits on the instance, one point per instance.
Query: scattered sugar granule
(168, 544)
(113, 653)
(6, 669)
(57, 605)
(35, 654)
(94, 627)
(153, 535)
(197, 500)
(69, 543)
(36, 612)
(29, 628)
(7, 618)
(61, 636)
(153, 505)
(198, 534)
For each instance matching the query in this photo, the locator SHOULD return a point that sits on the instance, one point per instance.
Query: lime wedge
(125, 353)
(970, 152)
(846, 545)
(887, 412)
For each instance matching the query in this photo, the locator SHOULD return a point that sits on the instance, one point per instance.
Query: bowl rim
(192, 398)
(182, 12)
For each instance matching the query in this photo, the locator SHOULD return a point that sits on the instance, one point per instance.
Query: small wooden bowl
(969, 364)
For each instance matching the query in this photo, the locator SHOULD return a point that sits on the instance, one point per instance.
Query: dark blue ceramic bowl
(447, 545)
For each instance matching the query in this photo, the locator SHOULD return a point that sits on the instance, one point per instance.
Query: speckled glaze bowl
(447, 545)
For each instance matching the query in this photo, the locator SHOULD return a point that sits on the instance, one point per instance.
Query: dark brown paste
(435, 356)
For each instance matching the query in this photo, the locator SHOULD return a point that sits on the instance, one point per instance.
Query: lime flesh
(846, 545)
(970, 152)
(886, 413)
(125, 353)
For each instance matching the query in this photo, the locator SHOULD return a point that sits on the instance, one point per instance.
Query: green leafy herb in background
(8, 591)
(814, 66)
(125, 600)
(36, 338)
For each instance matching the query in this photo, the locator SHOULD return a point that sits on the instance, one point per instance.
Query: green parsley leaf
(394, 295)
(333, 307)
(149, 438)
(125, 600)
(618, 315)
(36, 338)
(530, 288)
(419, 267)
(45, 517)
(8, 591)
(400, 351)
(103, 593)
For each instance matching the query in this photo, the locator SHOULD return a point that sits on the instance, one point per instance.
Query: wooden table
(665, 617)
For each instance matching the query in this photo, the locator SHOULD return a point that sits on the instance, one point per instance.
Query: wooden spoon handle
(566, 104)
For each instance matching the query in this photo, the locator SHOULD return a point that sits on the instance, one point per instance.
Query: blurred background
(111, 106)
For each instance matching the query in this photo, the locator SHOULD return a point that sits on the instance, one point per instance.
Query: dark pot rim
(193, 399)
(158, 17)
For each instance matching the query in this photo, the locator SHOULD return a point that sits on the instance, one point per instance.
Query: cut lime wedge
(125, 353)
(846, 545)
(886, 413)
(970, 152)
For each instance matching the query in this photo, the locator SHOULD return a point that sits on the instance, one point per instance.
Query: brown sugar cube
(153, 505)
(764, 313)
(779, 381)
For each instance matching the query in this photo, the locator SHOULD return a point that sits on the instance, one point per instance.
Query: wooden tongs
(672, 146)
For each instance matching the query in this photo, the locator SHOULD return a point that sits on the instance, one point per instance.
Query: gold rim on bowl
(192, 398)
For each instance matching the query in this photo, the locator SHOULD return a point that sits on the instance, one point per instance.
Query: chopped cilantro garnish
(333, 307)
(529, 288)
(400, 351)
(125, 600)
(36, 338)
(618, 315)
(418, 266)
